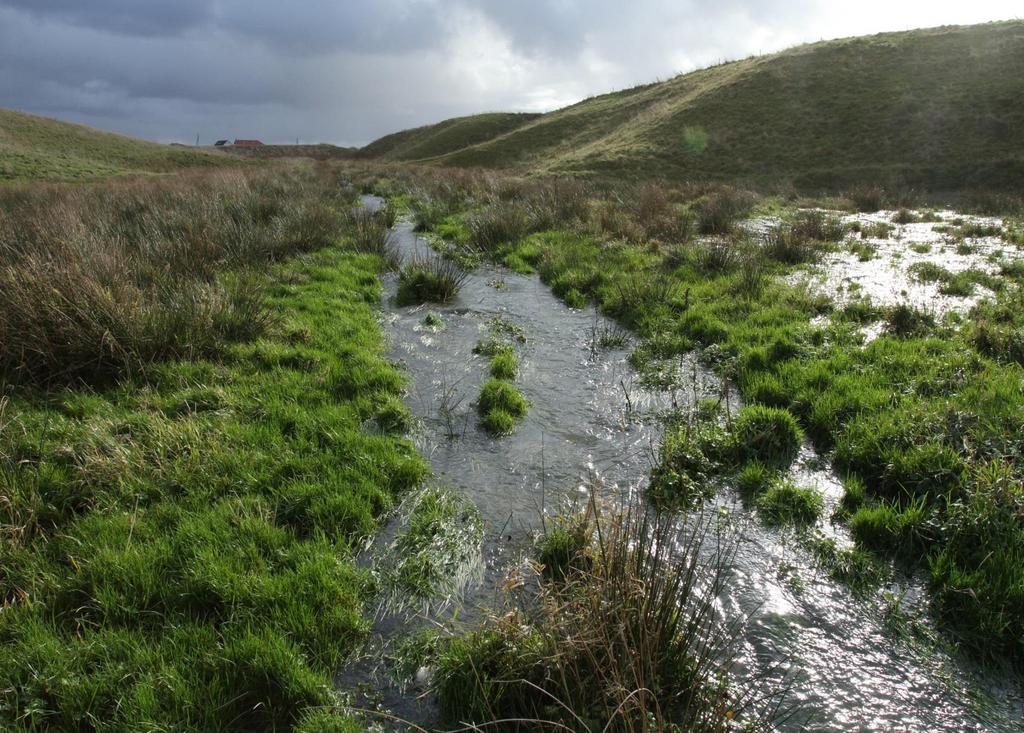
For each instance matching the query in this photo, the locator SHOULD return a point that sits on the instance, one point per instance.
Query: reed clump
(430, 279)
(621, 636)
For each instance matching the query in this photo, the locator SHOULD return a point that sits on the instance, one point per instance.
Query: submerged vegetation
(437, 550)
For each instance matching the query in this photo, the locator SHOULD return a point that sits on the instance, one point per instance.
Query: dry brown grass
(98, 281)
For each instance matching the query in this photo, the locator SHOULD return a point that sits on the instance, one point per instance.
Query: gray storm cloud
(349, 71)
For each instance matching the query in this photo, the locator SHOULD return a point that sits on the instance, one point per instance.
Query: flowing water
(590, 423)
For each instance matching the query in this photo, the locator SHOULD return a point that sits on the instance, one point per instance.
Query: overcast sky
(348, 71)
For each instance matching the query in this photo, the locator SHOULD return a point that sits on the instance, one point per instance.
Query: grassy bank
(925, 421)
(179, 522)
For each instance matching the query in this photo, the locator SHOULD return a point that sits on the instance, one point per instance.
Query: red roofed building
(248, 142)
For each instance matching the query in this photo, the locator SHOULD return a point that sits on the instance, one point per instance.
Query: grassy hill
(39, 148)
(937, 108)
(445, 137)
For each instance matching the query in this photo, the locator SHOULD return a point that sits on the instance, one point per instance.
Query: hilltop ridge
(935, 108)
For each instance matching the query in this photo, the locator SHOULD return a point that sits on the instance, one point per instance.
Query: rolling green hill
(445, 137)
(39, 148)
(939, 108)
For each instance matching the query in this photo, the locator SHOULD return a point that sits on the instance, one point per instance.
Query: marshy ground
(290, 462)
(796, 581)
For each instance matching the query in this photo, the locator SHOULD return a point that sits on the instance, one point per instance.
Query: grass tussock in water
(785, 503)
(768, 434)
(504, 365)
(804, 238)
(622, 635)
(501, 406)
(429, 279)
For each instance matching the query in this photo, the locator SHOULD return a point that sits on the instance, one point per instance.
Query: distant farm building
(248, 143)
(221, 143)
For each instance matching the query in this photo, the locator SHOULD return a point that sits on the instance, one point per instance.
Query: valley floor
(203, 435)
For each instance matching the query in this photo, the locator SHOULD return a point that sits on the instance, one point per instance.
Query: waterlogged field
(938, 262)
(881, 435)
(591, 434)
(631, 458)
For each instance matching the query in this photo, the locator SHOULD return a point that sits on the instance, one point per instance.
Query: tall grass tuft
(430, 279)
(622, 636)
(867, 199)
(371, 234)
(802, 239)
(504, 222)
(720, 211)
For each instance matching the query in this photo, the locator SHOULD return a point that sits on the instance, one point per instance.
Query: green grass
(858, 569)
(755, 477)
(504, 365)
(562, 548)
(830, 115)
(785, 503)
(36, 148)
(689, 458)
(445, 137)
(501, 406)
(959, 284)
(768, 434)
(178, 552)
(899, 528)
(433, 321)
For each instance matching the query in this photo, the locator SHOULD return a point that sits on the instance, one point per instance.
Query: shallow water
(851, 672)
(886, 278)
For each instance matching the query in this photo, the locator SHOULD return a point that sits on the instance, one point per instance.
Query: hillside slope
(938, 108)
(444, 137)
(39, 148)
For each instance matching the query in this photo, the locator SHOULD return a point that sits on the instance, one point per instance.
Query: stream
(590, 424)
